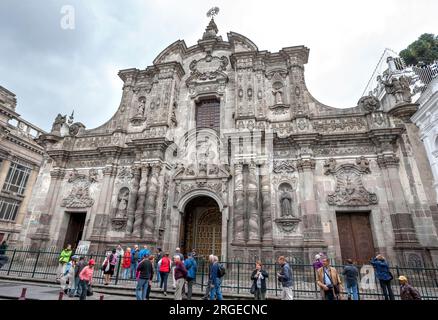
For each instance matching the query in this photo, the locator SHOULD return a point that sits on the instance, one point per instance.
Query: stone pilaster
(309, 207)
(133, 198)
(239, 205)
(402, 223)
(265, 187)
(139, 212)
(42, 235)
(151, 202)
(252, 205)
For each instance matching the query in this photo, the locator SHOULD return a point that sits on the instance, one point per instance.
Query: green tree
(424, 50)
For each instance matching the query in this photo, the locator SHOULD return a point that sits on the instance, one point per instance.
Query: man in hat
(407, 292)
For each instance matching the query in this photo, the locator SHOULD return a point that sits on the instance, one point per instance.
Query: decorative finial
(71, 118)
(213, 12)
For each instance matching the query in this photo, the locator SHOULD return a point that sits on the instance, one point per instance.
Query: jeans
(216, 290)
(84, 288)
(164, 276)
(386, 288)
(141, 289)
(287, 293)
(158, 273)
(207, 291)
(126, 273)
(77, 289)
(133, 269)
(352, 290)
(260, 295)
(190, 283)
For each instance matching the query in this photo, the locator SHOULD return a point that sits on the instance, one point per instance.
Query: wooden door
(355, 237)
(75, 229)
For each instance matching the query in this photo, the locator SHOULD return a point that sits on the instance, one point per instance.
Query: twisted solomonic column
(138, 222)
(136, 172)
(266, 208)
(151, 201)
(239, 204)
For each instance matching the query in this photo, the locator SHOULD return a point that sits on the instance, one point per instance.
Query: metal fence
(43, 264)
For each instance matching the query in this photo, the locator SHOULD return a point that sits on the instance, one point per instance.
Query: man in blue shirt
(215, 280)
(145, 252)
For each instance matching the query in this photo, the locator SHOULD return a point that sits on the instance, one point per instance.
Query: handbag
(89, 291)
(253, 288)
(391, 276)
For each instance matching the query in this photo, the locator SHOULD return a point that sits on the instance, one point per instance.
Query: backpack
(220, 271)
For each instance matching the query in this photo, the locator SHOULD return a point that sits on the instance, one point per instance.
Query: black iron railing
(43, 264)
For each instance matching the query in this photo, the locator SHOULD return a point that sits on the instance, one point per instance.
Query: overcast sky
(52, 70)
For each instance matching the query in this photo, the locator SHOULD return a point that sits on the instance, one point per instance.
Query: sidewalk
(12, 290)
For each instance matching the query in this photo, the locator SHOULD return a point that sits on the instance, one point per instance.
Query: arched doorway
(202, 227)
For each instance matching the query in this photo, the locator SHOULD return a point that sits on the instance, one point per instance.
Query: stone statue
(57, 124)
(286, 204)
(399, 88)
(278, 93)
(123, 203)
(141, 108)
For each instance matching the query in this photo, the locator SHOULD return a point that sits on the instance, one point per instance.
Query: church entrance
(75, 228)
(355, 236)
(202, 228)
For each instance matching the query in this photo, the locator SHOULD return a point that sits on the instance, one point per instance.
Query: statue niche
(287, 222)
(120, 219)
(139, 118)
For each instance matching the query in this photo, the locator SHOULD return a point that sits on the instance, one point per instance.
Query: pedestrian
(384, 276)
(3, 257)
(408, 292)
(207, 288)
(180, 276)
(164, 272)
(216, 279)
(152, 260)
(259, 276)
(192, 268)
(329, 281)
(195, 255)
(158, 256)
(351, 274)
(286, 279)
(109, 265)
(144, 252)
(126, 265)
(317, 263)
(86, 279)
(144, 276)
(178, 253)
(79, 267)
(120, 252)
(134, 261)
(64, 257)
(68, 277)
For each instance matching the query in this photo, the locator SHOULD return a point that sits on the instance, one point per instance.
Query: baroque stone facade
(225, 121)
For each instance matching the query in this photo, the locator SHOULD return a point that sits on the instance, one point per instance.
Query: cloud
(54, 70)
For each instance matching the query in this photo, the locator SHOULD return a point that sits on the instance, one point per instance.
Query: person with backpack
(180, 276)
(86, 279)
(192, 268)
(216, 274)
(126, 264)
(79, 267)
(164, 272)
(384, 275)
(64, 257)
(145, 272)
(109, 266)
(285, 278)
(134, 261)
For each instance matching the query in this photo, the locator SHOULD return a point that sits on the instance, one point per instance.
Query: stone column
(401, 219)
(151, 202)
(139, 212)
(309, 208)
(132, 202)
(252, 205)
(42, 235)
(265, 187)
(239, 204)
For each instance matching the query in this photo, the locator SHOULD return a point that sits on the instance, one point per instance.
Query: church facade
(221, 148)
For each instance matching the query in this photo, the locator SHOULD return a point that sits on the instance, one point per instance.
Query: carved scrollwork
(79, 196)
(284, 166)
(369, 103)
(288, 225)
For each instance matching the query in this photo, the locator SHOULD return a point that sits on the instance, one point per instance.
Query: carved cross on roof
(213, 12)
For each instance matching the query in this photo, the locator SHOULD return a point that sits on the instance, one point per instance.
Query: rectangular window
(8, 209)
(16, 179)
(208, 114)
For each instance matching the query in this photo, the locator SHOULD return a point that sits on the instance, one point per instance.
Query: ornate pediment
(350, 190)
(79, 196)
(208, 69)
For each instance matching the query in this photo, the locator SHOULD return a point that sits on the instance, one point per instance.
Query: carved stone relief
(79, 196)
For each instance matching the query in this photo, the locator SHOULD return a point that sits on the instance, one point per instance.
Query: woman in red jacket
(126, 263)
(164, 271)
